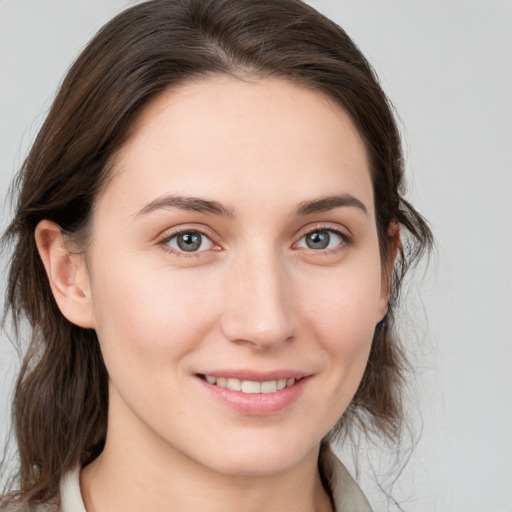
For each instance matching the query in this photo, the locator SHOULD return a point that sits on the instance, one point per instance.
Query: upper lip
(257, 376)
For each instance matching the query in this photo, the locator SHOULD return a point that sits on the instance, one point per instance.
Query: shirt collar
(346, 494)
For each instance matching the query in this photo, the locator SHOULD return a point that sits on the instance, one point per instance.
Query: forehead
(240, 141)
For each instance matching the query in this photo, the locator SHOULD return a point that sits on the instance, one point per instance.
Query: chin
(261, 460)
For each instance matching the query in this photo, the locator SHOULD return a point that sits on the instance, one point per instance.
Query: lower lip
(257, 404)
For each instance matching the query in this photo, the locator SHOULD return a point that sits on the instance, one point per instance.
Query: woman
(208, 245)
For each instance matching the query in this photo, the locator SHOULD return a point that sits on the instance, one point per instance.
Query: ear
(67, 274)
(388, 266)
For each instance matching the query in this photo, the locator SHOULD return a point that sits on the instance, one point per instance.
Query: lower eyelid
(344, 239)
(205, 241)
(165, 240)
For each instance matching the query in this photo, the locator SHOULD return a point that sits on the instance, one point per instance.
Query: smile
(256, 393)
(250, 386)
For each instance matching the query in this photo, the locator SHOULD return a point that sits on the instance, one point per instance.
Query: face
(235, 274)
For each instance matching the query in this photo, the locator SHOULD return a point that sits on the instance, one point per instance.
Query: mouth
(255, 393)
(250, 386)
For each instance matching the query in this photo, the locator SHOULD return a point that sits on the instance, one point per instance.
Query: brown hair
(61, 399)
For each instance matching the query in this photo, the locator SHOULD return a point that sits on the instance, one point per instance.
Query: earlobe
(67, 275)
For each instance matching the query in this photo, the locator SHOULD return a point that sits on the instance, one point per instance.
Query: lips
(252, 393)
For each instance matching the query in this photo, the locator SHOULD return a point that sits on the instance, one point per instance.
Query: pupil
(318, 240)
(189, 241)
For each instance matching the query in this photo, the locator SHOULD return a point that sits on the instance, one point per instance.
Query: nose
(258, 302)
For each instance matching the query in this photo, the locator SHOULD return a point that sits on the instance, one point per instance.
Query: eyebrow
(324, 204)
(194, 204)
(197, 204)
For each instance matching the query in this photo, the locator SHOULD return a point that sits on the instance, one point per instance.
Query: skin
(255, 297)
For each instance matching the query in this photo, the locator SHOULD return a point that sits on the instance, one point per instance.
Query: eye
(321, 239)
(190, 241)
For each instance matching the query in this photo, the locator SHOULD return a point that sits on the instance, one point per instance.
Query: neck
(137, 471)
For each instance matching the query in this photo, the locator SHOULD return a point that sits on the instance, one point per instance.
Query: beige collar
(346, 494)
(70, 496)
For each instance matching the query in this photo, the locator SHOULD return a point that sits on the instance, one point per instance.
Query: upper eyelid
(166, 236)
(323, 226)
(347, 240)
(169, 233)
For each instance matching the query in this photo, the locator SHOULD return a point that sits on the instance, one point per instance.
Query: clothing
(346, 494)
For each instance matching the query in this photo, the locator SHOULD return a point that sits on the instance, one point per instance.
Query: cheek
(346, 336)
(345, 305)
(343, 319)
(149, 320)
(342, 314)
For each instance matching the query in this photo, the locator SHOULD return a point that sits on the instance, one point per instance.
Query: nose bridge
(257, 309)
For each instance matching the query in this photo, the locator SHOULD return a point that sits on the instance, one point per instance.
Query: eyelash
(166, 239)
(346, 240)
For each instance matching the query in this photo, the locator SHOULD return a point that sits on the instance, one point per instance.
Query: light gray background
(447, 65)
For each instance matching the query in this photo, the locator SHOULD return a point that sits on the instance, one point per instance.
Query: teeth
(250, 386)
(234, 384)
(269, 387)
